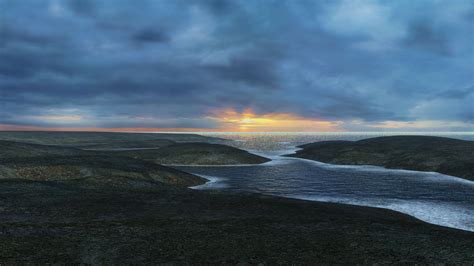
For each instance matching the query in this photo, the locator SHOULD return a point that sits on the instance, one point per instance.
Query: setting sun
(249, 121)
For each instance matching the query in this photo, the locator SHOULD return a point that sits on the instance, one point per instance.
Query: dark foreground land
(422, 153)
(61, 204)
(150, 222)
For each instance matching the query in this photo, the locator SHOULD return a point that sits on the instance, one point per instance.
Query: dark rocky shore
(67, 205)
(140, 221)
(422, 153)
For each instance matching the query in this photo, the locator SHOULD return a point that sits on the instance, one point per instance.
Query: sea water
(431, 197)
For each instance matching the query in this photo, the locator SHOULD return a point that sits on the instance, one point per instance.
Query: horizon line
(247, 132)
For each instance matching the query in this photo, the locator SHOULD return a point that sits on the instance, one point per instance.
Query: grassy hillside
(195, 153)
(444, 155)
(13, 149)
(88, 138)
(48, 163)
(137, 144)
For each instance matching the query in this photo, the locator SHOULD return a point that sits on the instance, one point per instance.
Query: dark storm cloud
(20, 36)
(23, 62)
(421, 35)
(172, 63)
(219, 7)
(149, 35)
(82, 7)
(457, 93)
(252, 71)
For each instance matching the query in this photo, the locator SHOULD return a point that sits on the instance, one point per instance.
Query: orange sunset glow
(5, 127)
(227, 120)
(249, 121)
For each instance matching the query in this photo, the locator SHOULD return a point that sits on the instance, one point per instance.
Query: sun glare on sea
(249, 121)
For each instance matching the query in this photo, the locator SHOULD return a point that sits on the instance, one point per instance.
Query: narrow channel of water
(431, 197)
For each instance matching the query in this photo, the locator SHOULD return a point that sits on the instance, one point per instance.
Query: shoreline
(391, 206)
(217, 183)
(307, 198)
(448, 156)
(377, 168)
(166, 224)
(210, 181)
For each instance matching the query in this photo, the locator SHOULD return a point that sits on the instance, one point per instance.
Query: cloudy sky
(270, 65)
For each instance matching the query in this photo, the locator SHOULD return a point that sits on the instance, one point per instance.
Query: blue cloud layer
(169, 63)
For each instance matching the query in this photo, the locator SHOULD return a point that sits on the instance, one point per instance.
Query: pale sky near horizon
(237, 65)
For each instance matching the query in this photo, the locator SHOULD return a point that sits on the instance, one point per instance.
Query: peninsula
(422, 153)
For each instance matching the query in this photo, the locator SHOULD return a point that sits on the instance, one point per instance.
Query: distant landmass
(90, 139)
(422, 153)
(38, 162)
(196, 153)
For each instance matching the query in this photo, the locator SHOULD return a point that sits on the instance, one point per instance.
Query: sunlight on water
(274, 142)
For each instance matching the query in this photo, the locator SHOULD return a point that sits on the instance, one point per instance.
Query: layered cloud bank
(236, 65)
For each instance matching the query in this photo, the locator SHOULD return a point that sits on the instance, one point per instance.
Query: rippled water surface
(432, 197)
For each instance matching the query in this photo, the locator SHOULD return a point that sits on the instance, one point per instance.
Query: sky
(240, 65)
